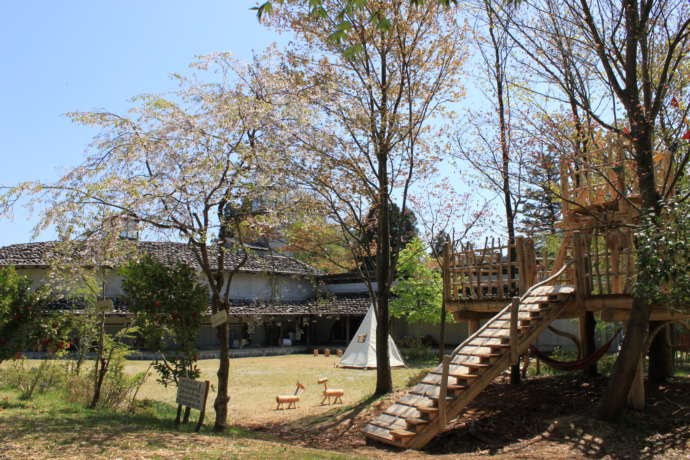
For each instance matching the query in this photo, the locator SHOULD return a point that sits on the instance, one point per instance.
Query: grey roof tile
(169, 253)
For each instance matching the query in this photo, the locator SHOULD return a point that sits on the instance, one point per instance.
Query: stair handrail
(507, 308)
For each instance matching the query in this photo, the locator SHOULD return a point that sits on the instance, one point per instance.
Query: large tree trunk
(660, 355)
(614, 399)
(442, 332)
(384, 379)
(222, 399)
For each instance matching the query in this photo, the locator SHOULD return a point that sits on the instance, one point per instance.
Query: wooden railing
(603, 264)
(604, 175)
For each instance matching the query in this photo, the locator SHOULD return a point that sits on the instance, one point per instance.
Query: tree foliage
(418, 288)
(19, 315)
(168, 304)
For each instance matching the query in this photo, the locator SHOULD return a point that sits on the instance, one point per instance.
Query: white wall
(245, 285)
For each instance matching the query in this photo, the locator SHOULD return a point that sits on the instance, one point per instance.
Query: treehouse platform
(518, 289)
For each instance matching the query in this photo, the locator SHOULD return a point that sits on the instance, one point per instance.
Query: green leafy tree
(168, 304)
(19, 320)
(418, 289)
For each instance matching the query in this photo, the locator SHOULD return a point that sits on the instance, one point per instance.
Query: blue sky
(62, 56)
(81, 55)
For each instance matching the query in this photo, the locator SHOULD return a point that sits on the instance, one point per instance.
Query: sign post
(220, 318)
(192, 394)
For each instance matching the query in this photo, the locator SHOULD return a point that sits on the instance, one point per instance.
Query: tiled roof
(326, 306)
(169, 253)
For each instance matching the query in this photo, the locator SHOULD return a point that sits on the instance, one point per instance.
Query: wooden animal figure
(328, 393)
(290, 400)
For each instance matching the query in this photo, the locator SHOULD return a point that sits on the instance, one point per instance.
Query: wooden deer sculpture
(336, 394)
(290, 400)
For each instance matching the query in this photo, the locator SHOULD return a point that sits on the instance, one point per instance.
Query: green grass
(48, 426)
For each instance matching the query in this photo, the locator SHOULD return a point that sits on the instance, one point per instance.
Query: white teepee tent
(361, 352)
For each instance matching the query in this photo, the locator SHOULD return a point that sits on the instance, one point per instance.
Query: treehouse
(517, 289)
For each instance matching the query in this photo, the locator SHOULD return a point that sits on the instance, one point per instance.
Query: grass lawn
(255, 382)
(49, 427)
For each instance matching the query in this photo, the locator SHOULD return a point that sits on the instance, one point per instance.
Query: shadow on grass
(510, 420)
(51, 419)
(336, 415)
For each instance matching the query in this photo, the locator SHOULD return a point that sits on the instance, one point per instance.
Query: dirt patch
(548, 417)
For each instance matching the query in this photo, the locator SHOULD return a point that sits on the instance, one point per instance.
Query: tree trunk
(615, 397)
(384, 378)
(222, 399)
(660, 355)
(442, 332)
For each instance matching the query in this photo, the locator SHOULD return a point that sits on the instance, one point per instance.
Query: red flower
(686, 136)
(156, 304)
(626, 130)
(674, 102)
(173, 316)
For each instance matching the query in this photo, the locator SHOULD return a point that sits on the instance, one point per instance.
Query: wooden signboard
(219, 318)
(192, 394)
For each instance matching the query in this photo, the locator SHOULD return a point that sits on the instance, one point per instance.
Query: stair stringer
(425, 433)
(456, 406)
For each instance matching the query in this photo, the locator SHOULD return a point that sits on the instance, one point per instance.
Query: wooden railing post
(522, 264)
(581, 283)
(514, 311)
(443, 392)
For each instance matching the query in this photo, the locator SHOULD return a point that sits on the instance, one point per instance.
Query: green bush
(30, 381)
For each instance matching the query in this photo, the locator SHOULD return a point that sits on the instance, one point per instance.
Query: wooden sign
(192, 394)
(104, 305)
(219, 318)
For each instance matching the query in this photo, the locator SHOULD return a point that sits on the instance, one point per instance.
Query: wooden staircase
(419, 415)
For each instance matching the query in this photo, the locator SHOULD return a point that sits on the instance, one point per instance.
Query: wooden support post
(443, 392)
(203, 408)
(522, 264)
(588, 340)
(179, 414)
(472, 326)
(580, 272)
(514, 352)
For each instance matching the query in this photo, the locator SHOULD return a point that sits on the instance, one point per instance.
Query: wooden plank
(555, 289)
(402, 410)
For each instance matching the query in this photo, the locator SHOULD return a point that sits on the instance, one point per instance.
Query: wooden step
(403, 434)
(427, 409)
(414, 421)
(456, 374)
(434, 398)
(480, 355)
(380, 437)
(476, 365)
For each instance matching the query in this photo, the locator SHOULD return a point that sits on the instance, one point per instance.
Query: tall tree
(370, 89)
(173, 166)
(494, 152)
(632, 50)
